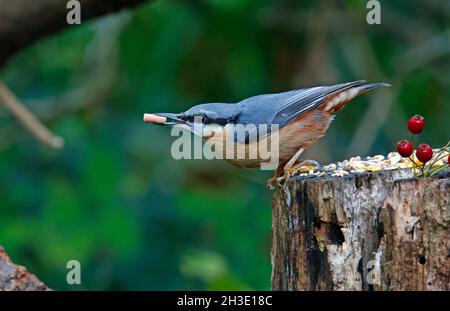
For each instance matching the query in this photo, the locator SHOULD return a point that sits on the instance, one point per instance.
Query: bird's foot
(305, 167)
(272, 183)
(276, 181)
(302, 167)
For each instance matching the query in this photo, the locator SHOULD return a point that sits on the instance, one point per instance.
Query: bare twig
(381, 103)
(24, 22)
(101, 57)
(420, 55)
(27, 119)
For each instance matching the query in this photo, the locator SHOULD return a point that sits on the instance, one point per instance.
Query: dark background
(113, 197)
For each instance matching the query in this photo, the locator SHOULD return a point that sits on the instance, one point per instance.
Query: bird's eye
(202, 118)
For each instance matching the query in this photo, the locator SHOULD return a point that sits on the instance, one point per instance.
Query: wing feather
(281, 108)
(306, 100)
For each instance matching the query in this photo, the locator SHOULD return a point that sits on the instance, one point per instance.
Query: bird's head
(202, 120)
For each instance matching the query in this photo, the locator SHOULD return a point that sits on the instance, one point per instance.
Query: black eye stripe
(207, 120)
(202, 118)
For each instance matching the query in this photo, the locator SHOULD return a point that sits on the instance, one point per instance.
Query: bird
(300, 117)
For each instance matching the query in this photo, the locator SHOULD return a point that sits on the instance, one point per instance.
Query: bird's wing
(281, 108)
(307, 99)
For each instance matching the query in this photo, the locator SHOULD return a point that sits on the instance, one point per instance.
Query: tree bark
(17, 278)
(25, 21)
(370, 231)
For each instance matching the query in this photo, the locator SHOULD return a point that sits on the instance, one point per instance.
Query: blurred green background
(114, 199)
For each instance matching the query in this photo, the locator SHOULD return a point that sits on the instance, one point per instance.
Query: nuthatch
(301, 116)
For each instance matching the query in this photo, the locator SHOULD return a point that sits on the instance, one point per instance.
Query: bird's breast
(301, 132)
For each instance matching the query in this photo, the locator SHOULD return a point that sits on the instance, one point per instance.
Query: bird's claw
(280, 181)
(306, 166)
(272, 183)
(313, 163)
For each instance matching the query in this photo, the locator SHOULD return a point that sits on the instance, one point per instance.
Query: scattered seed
(356, 164)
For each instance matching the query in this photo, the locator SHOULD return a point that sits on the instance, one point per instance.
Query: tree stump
(16, 278)
(365, 231)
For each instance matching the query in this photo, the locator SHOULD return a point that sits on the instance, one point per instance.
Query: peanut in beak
(155, 119)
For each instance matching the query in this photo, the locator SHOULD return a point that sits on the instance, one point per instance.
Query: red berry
(448, 160)
(405, 148)
(416, 124)
(424, 153)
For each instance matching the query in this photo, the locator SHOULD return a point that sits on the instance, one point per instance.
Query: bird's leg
(290, 163)
(282, 173)
(285, 169)
(272, 182)
(307, 163)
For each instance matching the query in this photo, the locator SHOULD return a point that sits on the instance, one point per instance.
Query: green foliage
(114, 199)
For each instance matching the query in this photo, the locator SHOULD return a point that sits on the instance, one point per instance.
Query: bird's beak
(173, 119)
(163, 118)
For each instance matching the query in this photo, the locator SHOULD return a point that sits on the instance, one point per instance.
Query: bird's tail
(335, 102)
(369, 87)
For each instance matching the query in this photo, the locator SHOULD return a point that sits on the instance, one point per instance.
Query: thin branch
(380, 102)
(27, 119)
(101, 57)
(24, 22)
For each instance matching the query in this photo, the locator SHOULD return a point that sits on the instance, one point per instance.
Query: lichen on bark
(369, 231)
